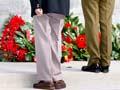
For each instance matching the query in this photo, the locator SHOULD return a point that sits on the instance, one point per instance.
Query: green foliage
(72, 30)
(116, 42)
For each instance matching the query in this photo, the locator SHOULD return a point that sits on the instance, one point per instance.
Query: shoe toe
(60, 84)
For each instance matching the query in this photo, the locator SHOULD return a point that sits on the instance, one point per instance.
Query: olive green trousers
(98, 17)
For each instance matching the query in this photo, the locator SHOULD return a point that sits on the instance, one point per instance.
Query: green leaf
(27, 26)
(20, 34)
(28, 58)
(64, 53)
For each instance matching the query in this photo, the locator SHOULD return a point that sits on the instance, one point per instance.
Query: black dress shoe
(104, 69)
(92, 68)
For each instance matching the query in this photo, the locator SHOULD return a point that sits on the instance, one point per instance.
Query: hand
(39, 11)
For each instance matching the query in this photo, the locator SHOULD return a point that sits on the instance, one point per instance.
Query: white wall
(116, 16)
(19, 7)
(22, 7)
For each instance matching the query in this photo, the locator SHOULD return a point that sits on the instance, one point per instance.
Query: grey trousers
(48, 29)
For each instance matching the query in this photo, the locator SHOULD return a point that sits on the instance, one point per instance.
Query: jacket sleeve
(39, 2)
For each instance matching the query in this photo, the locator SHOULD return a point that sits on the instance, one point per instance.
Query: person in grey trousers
(48, 21)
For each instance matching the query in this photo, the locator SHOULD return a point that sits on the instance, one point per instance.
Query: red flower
(70, 50)
(68, 39)
(64, 48)
(14, 50)
(8, 43)
(75, 28)
(28, 34)
(81, 41)
(69, 57)
(15, 23)
(21, 54)
(70, 54)
(67, 25)
(8, 38)
(33, 40)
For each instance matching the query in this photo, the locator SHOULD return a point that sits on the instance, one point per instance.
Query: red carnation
(15, 23)
(8, 38)
(28, 35)
(21, 54)
(75, 28)
(70, 53)
(64, 48)
(67, 25)
(70, 50)
(33, 40)
(69, 57)
(68, 39)
(81, 41)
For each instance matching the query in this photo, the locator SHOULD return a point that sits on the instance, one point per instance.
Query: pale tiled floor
(21, 76)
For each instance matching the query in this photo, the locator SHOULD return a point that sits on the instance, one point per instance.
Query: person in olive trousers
(48, 24)
(98, 16)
